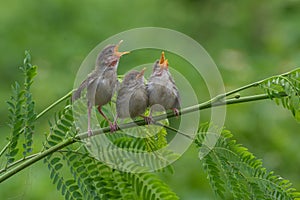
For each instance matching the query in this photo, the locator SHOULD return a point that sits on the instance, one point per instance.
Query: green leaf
(285, 91)
(244, 174)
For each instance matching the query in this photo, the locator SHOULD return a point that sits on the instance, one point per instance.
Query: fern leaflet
(243, 173)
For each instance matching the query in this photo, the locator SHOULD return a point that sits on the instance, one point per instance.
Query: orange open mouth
(116, 50)
(141, 74)
(163, 62)
(162, 58)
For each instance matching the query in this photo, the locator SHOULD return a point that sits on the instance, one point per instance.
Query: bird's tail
(77, 93)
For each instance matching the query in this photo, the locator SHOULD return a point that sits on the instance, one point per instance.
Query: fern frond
(21, 112)
(69, 188)
(29, 71)
(62, 127)
(16, 122)
(126, 151)
(214, 175)
(243, 173)
(95, 179)
(148, 186)
(288, 84)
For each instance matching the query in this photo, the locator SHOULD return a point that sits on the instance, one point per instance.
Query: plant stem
(54, 104)
(36, 158)
(255, 84)
(4, 148)
(174, 129)
(18, 161)
(40, 115)
(69, 141)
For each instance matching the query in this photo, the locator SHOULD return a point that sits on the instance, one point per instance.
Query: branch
(36, 158)
(54, 104)
(208, 104)
(17, 162)
(40, 115)
(4, 148)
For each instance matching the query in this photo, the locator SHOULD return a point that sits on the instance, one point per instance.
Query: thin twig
(174, 129)
(18, 161)
(4, 148)
(54, 104)
(39, 116)
(84, 135)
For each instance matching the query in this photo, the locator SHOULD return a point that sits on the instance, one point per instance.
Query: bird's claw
(176, 112)
(90, 132)
(148, 120)
(113, 127)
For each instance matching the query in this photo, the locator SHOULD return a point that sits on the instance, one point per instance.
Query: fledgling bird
(161, 88)
(101, 83)
(132, 98)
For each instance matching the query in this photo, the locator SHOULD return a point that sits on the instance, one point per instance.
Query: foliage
(289, 85)
(231, 167)
(21, 112)
(92, 179)
(232, 170)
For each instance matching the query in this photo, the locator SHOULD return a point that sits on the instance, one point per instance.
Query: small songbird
(101, 83)
(161, 88)
(132, 98)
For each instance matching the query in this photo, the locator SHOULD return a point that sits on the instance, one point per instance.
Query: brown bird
(161, 88)
(101, 82)
(132, 98)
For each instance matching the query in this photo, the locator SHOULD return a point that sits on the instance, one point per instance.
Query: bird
(101, 83)
(161, 88)
(132, 97)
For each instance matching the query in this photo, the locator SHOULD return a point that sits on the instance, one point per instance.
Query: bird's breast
(105, 89)
(162, 93)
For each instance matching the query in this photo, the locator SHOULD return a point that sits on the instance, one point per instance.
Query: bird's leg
(90, 133)
(148, 119)
(176, 112)
(111, 125)
(114, 126)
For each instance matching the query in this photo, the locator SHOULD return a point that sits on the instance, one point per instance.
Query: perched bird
(101, 83)
(161, 88)
(132, 98)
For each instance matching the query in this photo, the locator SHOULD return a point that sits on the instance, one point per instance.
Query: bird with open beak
(162, 91)
(132, 98)
(101, 83)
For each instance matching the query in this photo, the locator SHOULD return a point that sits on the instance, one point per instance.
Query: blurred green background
(248, 40)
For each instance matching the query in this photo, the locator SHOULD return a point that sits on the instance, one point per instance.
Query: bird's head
(110, 56)
(140, 75)
(134, 77)
(161, 65)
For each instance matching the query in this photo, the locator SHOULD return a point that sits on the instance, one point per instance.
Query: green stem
(255, 84)
(129, 125)
(17, 162)
(4, 148)
(40, 115)
(36, 158)
(54, 104)
(174, 129)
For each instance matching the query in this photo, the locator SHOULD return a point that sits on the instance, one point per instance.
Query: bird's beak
(117, 53)
(165, 64)
(162, 58)
(141, 74)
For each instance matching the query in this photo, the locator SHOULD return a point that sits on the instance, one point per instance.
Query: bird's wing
(77, 93)
(175, 89)
(177, 100)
